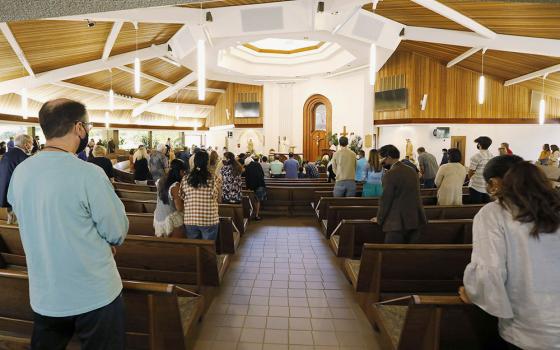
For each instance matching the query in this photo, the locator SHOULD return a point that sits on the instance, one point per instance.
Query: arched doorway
(317, 123)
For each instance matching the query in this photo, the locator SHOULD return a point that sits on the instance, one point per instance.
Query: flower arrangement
(356, 144)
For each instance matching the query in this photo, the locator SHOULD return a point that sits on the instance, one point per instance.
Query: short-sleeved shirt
(201, 204)
(291, 166)
(478, 162)
(311, 171)
(276, 167)
(68, 219)
(361, 165)
(429, 164)
(105, 164)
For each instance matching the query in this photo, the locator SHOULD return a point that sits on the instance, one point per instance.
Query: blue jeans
(202, 232)
(345, 188)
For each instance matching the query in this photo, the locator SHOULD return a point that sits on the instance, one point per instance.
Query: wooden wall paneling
(246, 93)
(148, 34)
(398, 64)
(53, 44)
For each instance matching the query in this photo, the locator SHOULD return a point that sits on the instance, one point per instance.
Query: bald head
(58, 117)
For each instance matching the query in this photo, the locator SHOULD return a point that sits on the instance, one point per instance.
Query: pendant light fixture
(481, 82)
(177, 105)
(201, 64)
(372, 64)
(24, 103)
(136, 64)
(111, 92)
(542, 104)
(106, 120)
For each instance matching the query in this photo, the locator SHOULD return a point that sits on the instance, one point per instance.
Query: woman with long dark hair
(373, 176)
(200, 191)
(231, 179)
(514, 272)
(168, 217)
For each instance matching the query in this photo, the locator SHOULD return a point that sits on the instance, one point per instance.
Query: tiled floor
(285, 291)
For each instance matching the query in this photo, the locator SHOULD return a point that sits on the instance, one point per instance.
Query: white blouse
(516, 278)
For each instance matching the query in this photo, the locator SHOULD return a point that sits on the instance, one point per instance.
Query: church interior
(283, 80)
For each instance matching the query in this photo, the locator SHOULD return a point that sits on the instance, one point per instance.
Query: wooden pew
(158, 316)
(351, 235)
(122, 172)
(138, 206)
(141, 224)
(136, 195)
(335, 214)
(421, 322)
(134, 187)
(388, 271)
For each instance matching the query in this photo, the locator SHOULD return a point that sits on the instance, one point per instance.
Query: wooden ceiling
(504, 17)
(498, 64)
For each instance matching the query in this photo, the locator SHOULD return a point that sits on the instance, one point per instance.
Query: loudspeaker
(367, 27)
(262, 19)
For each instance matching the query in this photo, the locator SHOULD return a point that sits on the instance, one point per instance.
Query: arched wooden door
(317, 123)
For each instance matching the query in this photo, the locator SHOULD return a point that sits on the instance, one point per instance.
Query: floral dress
(231, 185)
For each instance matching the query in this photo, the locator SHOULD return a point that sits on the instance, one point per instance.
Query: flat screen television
(247, 110)
(442, 133)
(391, 100)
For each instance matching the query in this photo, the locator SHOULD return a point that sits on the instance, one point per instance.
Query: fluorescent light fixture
(176, 111)
(106, 120)
(137, 75)
(201, 57)
(481, 89)
(542, 110)
(111, 100)
(372, 64)
(24, 103)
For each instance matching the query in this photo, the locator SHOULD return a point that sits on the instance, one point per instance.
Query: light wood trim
(398, 121)
(283, 52)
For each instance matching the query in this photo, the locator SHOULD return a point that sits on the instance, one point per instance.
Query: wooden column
(150, 139)
(116, 139)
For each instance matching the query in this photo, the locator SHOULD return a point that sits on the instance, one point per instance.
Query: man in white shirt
(477, 185)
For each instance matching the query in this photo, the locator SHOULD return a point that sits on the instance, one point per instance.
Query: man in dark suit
(23, 145)
(401, 212)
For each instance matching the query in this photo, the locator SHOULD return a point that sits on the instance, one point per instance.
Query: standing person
(311, 170)
(214, 164)
(168, 216)
(265, 165)
(276, 168)
(374, 176)
(444, 157)
(477, 185)
(502, 151)
(111, 145)
(158, 162)
(89, 149)
(11, 143)
(291, 167)
(70, 220)
(100, 159)
(344, 166)
(200, 191)
(3, 149)
(254, 180)
(141, 169)
(401, 212)
(450, 179)
(545, 155)
(231, 179)
(36, 145)
(513, 274)
(131, 159)
(361, 165)
(428, 167)
(554, 156)
(22, 149)
(506, 146)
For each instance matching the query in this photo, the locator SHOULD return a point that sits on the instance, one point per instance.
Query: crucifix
(344, 133)
(318, 139)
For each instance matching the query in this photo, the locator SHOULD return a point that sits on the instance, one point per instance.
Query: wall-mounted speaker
(367, 27)
(262, 19)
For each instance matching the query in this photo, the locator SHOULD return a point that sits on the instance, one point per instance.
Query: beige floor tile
(249, 346)
(252, 335)
(301, 337)
(279, 311)
(321, 324)
(300, 324)
(275, 347)
(224, 345)
(300, 311)
(257, 310)
(227, 334)
(277, 323)
(255, 322)
(325, 338)
(276, 336)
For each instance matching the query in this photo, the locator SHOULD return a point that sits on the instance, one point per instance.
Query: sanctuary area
(280, 175)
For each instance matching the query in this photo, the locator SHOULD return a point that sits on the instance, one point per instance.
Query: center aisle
(284, 290)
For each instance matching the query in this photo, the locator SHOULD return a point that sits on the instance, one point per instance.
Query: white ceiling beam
(194, 88)
(185, 81)
(15, 46)
(145, 76)
(463, 56)
(537, 74)
(456, 17)
(80, 69)
(111, 39)
(97, 91)
(511, 43)
(170, 61)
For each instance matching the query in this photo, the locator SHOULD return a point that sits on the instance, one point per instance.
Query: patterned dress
(231, 185)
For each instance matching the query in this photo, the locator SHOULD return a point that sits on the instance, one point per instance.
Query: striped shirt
(201, 204)
(478, 162)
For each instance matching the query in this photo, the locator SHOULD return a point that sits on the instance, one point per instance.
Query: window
(133, 138)
(11, 130)
(160, 136)
(193, 140)
(320, 117)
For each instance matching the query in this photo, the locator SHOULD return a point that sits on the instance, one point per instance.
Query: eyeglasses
(87, 125)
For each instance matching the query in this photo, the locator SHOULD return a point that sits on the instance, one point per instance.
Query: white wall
(217, 139)
(350, 96)
(524, 140)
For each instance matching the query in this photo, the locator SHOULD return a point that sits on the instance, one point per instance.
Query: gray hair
(22, 139)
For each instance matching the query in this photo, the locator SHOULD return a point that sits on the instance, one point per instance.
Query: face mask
(83, 143)
(386, 166)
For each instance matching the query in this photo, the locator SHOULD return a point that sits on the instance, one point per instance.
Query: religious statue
(409, 149)
(285, 145)
(250, 146)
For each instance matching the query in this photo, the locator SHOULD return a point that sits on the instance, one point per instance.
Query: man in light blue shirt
(291, 166)
(361, 165)
(70, 220)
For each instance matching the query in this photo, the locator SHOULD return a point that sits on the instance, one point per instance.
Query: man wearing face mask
(401, 212)
(22, 149)
(70, 219)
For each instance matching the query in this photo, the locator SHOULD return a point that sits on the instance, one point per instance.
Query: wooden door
(460, 142)
(318, 144)
(317, 124)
